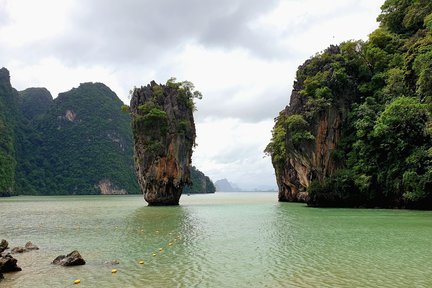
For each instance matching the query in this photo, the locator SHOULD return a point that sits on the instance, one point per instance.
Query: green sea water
(220, 240)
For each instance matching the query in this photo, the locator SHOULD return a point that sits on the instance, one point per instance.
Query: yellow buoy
(77, 281)
(154, 254)
(141, 262)
(114, 271)
(161, 249)
(170, 244)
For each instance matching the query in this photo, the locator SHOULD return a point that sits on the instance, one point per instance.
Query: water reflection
(220, 244)
(162, 237)
(245, 240)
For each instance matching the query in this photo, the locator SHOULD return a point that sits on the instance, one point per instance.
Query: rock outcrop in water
(72, 259)
(4, 244)
(357, 132)
(8, 264)
(309, 154)
(164, 135)
(27, 247)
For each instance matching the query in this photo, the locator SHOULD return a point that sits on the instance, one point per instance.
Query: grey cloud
(128, 30)
(236, 154)
(267, 106)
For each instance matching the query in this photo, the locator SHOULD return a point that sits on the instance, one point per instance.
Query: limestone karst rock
(357, 132)
(164, 135)
(310, 135)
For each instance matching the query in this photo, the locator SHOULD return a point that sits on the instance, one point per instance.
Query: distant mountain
(81, 143)
(265, 188)
(78, 143)
(34, 102)
(223, 185)
(200, 183)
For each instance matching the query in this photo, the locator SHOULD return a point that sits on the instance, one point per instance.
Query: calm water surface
(220, 240)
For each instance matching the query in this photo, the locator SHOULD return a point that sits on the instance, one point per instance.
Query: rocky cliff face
(314, 160)
(357, 132)
(164, 134)
(310, 129)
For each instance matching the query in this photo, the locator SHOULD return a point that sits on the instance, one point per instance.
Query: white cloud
(235, 84)
(59, 76)
(229, 148)
(30, 22)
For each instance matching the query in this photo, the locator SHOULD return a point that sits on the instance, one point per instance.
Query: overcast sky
(241, 54)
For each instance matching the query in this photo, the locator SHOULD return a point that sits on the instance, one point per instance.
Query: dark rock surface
(30, 246)
(8, 264)
(164, 134)
(3, 245)
(72, 259)
(27, 247)
(18, 249)
(313, 159)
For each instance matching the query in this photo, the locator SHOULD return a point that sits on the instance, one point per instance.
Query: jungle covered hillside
(358, 130)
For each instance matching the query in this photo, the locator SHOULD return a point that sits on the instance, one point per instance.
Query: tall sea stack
(164, 135)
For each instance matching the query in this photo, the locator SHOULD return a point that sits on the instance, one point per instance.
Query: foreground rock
(18, 249)
(28, 247)
(3, 245)
(164, 134)
(72, 259)
(8, 264)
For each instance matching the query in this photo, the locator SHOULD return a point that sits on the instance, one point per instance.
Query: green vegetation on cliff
(200, 183)
(8, 122)
(84, 144)
(380, 93)
(164, 136)
(78, 143)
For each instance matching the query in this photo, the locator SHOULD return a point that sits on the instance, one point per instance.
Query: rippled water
(220, 240)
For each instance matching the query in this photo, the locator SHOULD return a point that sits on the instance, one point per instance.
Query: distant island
(358, 129)
(79, 143)
(224, 185)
